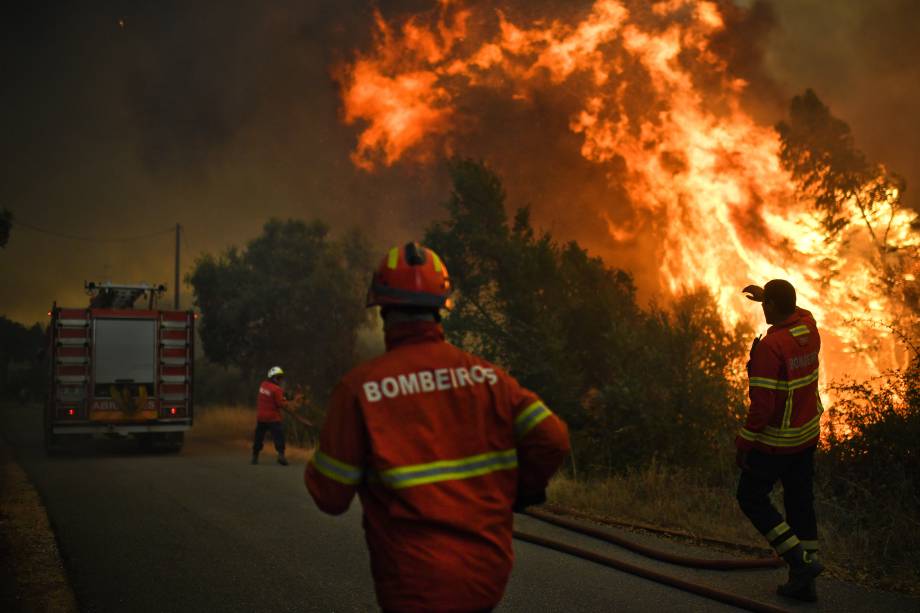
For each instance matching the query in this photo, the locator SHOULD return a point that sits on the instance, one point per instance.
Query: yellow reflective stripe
(770, 384)
(787, 410)
(813, 424)
(810, 545)
(779, 441)
(748, 435)
(529, 418)
(784, 437)
(779, 384)
(336, 469)
(799, 330)
(775, 532)
(449, 470)
(803, 381)
(393, 258)
(788, 544)
(438, 266)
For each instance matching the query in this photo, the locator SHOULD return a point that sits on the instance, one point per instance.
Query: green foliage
(221, 385)
(293, 297)
(6, 222)
(871, 464)
(21, 372)
(631, 384)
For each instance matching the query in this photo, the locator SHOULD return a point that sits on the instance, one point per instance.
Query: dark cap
(781, 293)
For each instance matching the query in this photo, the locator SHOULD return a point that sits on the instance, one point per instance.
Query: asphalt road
(205, 531)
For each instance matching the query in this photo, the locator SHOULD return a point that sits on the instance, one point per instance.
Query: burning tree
(854, 197)
(714, 198)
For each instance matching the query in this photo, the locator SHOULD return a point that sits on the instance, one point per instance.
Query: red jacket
(438, 444)
(785, 415)
(271, 401)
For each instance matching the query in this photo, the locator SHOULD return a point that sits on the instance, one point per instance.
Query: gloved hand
(741, 459)
(525, 500)
(753, 292)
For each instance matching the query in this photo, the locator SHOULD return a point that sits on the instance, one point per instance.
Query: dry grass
(678, 499)
(667, 498)
(225, 423)
(235, 425)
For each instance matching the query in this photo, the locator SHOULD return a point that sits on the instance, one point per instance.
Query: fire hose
(688, 586)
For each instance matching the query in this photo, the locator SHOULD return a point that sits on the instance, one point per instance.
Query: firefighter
(439, 445)
(271, 402)
(778, 439)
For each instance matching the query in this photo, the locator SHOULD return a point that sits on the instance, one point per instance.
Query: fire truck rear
(120, 367)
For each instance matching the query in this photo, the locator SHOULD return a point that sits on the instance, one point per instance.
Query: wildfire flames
(657, 100)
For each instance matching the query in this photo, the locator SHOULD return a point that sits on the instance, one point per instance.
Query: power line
(92, 239)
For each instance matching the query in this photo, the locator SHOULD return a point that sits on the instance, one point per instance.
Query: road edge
(28, 546)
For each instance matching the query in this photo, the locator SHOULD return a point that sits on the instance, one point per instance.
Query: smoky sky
(123, 118)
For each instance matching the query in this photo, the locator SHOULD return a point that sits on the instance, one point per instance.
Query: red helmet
(410, 276)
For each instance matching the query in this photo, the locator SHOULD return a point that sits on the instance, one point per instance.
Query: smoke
(219, 116)
(863, 60)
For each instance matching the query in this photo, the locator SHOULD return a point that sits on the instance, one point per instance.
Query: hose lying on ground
(656, 554)
(694, 588)
(631, 525)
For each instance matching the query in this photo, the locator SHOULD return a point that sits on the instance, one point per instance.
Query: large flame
(654, 97)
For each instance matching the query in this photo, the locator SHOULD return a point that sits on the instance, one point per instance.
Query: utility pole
(176, 278)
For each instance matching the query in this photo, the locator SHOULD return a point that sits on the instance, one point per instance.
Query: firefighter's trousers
(796, 472)
(277, 435)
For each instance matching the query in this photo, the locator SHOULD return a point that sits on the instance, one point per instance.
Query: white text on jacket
(428, 381)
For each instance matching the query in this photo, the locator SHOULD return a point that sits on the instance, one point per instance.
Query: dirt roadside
(34, 579)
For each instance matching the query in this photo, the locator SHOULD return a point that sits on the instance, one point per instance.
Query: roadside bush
(869, 470)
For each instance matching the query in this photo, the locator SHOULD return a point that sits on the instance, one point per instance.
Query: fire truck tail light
(71, 412)
(172, 411)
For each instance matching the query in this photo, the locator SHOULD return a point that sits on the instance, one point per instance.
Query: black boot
(802, 573)
(255, 458)
(282, 460)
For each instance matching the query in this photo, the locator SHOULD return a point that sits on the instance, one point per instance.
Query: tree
(292, 297)
(820, 152)
(6, 222)
(20, 360)
(630, 383)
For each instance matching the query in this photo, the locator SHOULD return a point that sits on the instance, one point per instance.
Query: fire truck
(120, 367)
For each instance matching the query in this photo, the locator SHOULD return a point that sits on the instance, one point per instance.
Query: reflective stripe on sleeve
(449, 470)
(799, 330)
(393, 258)
(336, 469)
(770, 384)
(438, 266)
(529, 418)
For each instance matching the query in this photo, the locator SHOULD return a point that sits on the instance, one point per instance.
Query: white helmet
(275, 371)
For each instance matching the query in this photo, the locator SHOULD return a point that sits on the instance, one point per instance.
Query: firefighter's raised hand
(753, 292)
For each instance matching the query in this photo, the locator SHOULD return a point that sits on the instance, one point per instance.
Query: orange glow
(704, 178)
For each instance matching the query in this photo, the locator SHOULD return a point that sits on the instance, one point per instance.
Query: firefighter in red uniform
(440, 447)
(778, 440)
(268, 418)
